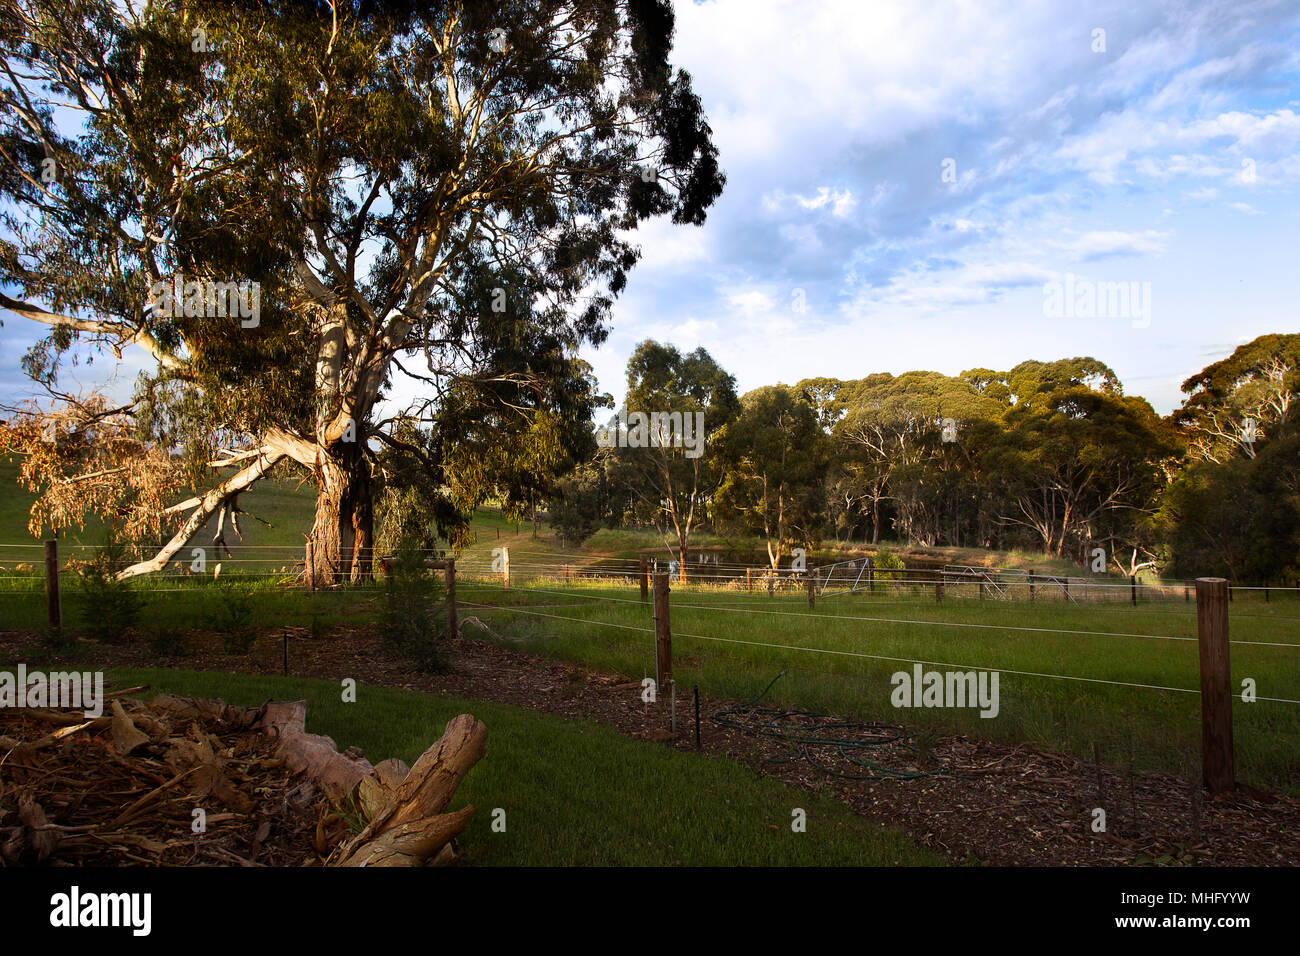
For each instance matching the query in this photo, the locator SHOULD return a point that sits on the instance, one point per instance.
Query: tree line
(1050, 457)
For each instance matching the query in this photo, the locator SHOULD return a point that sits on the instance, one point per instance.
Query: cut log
(336, 774)
(407, 823)
(411, 844)
(412, 827)
(376, 790)
(257, 773)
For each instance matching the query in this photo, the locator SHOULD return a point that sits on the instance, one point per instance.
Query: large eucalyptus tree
(425, 210)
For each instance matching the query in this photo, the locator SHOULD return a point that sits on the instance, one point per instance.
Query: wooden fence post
(645, 580)
(453, 624)
(982, 587)
(311, 567)
(663, 634)
(812, 593)
(505, 568)
(1031, 584)
(749, 581)
(53, 600)
(1133, 588)
(1216, 691)
(938, 587)
(871, 575)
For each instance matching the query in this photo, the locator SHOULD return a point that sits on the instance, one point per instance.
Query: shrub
(167, 641)
(109, 607)
(414, 613)
(234, 620)
(886, 560)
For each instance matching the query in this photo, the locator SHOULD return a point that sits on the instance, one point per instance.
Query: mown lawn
(577, 793)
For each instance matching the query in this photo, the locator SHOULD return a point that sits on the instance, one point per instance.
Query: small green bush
(886, 560)
(414, 613)
(234, 620)
(108, 607)
(167, 641)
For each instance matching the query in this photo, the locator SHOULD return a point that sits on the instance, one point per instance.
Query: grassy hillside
(284, 506)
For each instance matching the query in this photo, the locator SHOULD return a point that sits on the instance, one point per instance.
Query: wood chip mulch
(122, 789)
(997, 804)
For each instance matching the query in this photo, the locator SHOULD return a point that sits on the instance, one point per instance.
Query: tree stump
(407, 823)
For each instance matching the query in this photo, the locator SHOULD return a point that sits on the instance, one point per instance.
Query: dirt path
(998, 804)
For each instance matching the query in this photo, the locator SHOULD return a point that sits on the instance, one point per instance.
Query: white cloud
(1134, 139)
(1099, 244)
(840, 202)
(749, 303)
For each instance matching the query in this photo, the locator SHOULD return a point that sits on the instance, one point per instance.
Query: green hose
(815, 737)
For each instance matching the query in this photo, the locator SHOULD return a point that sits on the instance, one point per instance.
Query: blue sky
(1171, 158)
(840, 248)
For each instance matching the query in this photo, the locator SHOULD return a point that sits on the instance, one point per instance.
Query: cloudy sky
(907, 180)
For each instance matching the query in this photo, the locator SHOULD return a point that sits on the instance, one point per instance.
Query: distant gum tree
(775, 456)
(670, 482)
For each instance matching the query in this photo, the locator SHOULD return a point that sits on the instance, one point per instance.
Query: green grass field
(840, 657)
(284, 506)
(577, 793)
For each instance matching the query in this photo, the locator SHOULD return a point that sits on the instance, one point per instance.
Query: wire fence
(21, 569)
(836, 635)
(498, 590)
(758, 617)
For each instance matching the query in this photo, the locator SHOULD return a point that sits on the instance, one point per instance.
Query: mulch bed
(122, 789)
(997, 804)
